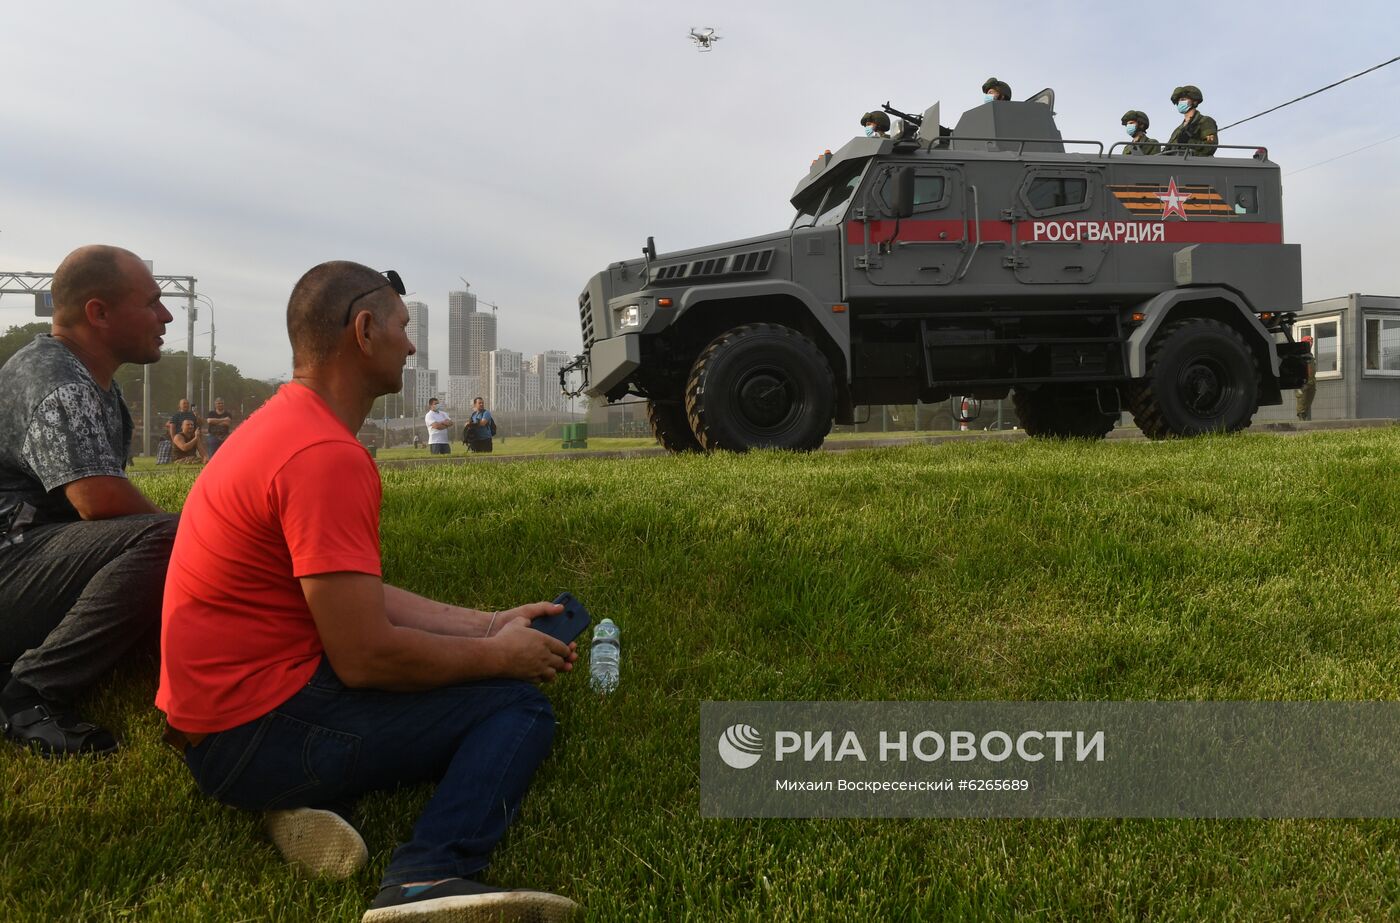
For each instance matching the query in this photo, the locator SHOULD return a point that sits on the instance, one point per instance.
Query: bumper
(611, 362)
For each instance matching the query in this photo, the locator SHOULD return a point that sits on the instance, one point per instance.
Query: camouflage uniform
(1141, 123)
(1199, 136)
(1145, 146)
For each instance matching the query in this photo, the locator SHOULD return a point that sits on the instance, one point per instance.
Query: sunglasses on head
(393, 280)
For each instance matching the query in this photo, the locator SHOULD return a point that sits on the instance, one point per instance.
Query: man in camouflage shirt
(83, 553)
(1136, 122)
(1197, 133)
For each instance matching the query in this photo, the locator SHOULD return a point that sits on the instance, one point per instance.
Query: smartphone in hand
(567, 625)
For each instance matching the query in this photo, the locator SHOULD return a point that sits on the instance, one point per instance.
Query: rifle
(915, 120)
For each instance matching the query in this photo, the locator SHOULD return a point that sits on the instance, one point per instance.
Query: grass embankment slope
(1254, 567)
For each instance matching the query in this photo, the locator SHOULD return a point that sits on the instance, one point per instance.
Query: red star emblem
(1172, 201)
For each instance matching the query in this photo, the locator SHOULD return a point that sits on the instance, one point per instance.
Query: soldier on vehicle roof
(1136, 122)
(1197, 132)
(877, 124)
(994, 90)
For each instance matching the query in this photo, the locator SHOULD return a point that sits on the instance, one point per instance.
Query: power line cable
(1313, 93)
(1340, 156)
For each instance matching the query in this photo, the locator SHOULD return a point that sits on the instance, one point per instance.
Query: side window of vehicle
(930, 192)
(1053, 195)
(1244, 200)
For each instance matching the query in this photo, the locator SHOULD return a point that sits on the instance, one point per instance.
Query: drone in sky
(704, 39)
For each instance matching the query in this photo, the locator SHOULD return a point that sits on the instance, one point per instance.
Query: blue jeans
(480, 742)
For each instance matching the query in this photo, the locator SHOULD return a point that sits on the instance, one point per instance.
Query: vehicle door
(925, 249)
(1060, 235)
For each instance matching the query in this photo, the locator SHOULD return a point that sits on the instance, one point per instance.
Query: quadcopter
(704, 39)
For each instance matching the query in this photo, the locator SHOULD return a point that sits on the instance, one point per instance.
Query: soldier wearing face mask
(1135, 122)
(994, 90)
(877, 124)
(1197, 133)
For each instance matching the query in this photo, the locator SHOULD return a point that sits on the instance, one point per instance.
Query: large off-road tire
(1062, 412)
(1201, 378)
(671, 427)
(760, 386)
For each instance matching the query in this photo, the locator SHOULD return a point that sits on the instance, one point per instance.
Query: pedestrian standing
(439, 429)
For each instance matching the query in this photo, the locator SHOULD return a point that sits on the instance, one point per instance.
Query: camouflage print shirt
(57, 425)
(1146, 146)
(1199, 136)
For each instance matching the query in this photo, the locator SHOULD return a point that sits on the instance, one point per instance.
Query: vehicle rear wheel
(1062, 412)
(1201, 378)
(671, 427)
(760, 386)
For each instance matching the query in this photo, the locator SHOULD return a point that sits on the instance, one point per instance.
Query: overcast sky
(526, 145)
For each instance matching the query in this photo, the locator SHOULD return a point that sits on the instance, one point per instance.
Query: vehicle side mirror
(903, 189)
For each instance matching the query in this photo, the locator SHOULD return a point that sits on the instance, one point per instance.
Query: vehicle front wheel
(1201, 378)
(671, 427)
(760, 386)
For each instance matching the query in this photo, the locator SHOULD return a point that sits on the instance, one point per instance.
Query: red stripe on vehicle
(1071, 230)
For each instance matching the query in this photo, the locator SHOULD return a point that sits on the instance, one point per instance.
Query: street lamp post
(146, 413)
(209, 301)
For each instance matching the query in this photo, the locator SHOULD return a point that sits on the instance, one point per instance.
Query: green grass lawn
(1251, 567)
(527, 445)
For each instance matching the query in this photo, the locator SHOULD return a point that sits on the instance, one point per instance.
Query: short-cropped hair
(87, 273)
(316, 311)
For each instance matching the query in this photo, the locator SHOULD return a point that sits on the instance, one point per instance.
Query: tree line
(241, 395)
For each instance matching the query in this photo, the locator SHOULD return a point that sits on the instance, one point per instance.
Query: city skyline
(505, 378)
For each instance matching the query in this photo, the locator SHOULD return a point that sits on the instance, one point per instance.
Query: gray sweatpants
(76, 597)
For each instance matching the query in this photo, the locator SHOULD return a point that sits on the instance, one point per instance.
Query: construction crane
(467, 285)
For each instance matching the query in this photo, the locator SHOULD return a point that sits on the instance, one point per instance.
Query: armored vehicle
(994, 258)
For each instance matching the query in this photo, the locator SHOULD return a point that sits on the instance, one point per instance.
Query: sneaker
(317, 842)
(461, 900)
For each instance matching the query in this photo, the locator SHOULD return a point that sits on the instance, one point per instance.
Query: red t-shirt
(290, 494)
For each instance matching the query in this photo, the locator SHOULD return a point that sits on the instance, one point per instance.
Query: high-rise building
(459, 306)
(501, 380)
(461, 391)
(546, 367)
(418, 333)
(418, 386)
(481, 337)
(469, 333)
(529, 387)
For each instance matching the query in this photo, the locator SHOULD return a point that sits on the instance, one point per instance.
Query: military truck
(994, 258)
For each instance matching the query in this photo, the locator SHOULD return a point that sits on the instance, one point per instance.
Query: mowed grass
(1252, 567)
(521, 445)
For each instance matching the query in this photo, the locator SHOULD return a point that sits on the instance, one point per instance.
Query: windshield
(825, 203)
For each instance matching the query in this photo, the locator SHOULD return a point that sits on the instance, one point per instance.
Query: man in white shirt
(439, 429)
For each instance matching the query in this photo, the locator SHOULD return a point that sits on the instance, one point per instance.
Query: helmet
(1137, 115)
(881, 120)
(1307, 339)
(1001, 86)
(1190, 92)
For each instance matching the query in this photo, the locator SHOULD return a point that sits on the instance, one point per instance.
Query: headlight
(630, 316)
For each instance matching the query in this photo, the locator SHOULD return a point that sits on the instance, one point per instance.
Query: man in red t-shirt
(301, 680)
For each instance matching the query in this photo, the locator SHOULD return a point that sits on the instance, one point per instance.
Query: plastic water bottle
(604, 657)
